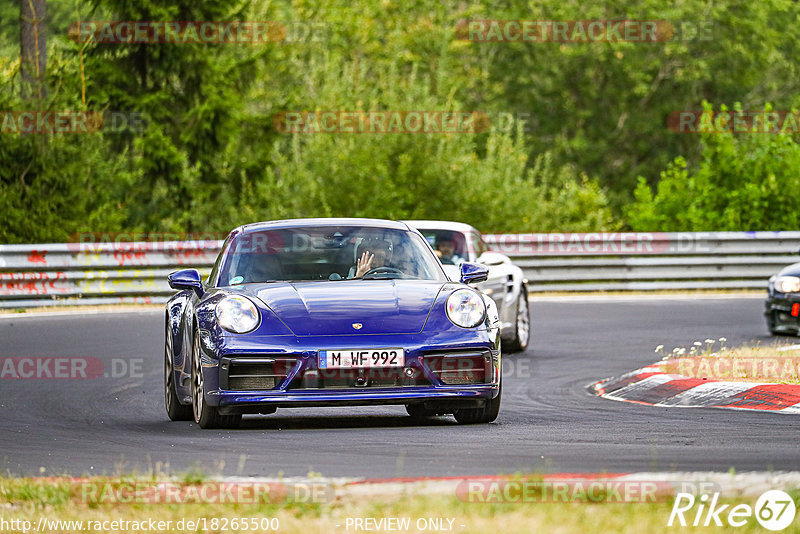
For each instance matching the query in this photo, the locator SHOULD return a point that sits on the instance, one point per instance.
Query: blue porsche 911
(330, 312)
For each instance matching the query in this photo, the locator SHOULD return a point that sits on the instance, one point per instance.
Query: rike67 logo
(774, 510)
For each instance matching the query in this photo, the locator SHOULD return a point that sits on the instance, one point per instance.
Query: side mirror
(493, 258)
(186, 279)
(473, 272)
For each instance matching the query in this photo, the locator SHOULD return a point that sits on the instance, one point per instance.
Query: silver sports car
(455, 243)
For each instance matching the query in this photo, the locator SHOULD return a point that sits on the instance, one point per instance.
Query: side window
(479, 244)
(217, 264)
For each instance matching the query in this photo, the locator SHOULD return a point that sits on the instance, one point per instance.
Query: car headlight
(788, 284)
(237, 314)
(465, 308)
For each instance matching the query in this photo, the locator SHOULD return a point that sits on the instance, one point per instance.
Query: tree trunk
(33, 46)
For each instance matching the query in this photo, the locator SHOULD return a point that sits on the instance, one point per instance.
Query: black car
(783, 302)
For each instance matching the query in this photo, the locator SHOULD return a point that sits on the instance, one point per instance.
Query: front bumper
(459, 372)
(778, 312)
(444, 397)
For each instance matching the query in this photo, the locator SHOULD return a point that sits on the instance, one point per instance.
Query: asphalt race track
(548, 421)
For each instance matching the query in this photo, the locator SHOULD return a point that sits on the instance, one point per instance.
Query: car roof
(442, 225)
(334, 221)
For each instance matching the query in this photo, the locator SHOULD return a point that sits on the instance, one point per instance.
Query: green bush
(743, 181)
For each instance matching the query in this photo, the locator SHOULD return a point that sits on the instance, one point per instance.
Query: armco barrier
(99, 273)
(649, 261)
(96, 273)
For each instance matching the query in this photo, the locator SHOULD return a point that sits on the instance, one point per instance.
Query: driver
(372, 253)
(446, 250)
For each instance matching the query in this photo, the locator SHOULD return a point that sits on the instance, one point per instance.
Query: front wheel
(522, 325)
(771, 325)
(206, 416)
(486, 414)
(175, 410)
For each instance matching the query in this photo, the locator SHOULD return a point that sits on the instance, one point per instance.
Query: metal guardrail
(649, 261)
(96, 273)
(99, 273)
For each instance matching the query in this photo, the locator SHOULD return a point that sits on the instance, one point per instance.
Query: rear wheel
(486, 414)
(205, 415)
(522, 325)
(175, 410)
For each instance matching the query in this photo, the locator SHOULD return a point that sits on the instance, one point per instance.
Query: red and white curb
(652, 386)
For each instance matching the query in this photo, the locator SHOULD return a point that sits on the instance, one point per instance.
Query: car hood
(339, 307)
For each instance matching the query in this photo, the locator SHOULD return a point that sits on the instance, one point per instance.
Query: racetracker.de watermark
(735, 368)
(381, 122)
(70, 122)
(597, 244)
(576, 490)
(197, 32)
(582, 31)
(144, 237)
(737, 122)
(69, 368)
(99, 491)
(140, 244)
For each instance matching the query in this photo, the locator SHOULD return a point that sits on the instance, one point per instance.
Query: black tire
(485, 414)
(205, 415)
(175, 410)
(771, 326)
(522, 324)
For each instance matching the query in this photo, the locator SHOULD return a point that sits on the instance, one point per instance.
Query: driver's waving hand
(372, 253)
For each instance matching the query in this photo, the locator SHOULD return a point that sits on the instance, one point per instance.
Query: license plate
(348, 359)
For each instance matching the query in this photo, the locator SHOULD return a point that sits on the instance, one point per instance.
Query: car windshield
(450, 246)
(329, 253)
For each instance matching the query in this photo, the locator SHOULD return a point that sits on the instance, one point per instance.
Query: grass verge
(30, 500)
(776, 363)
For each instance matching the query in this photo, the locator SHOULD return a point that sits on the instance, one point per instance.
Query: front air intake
(461, 368)
(253, 374)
